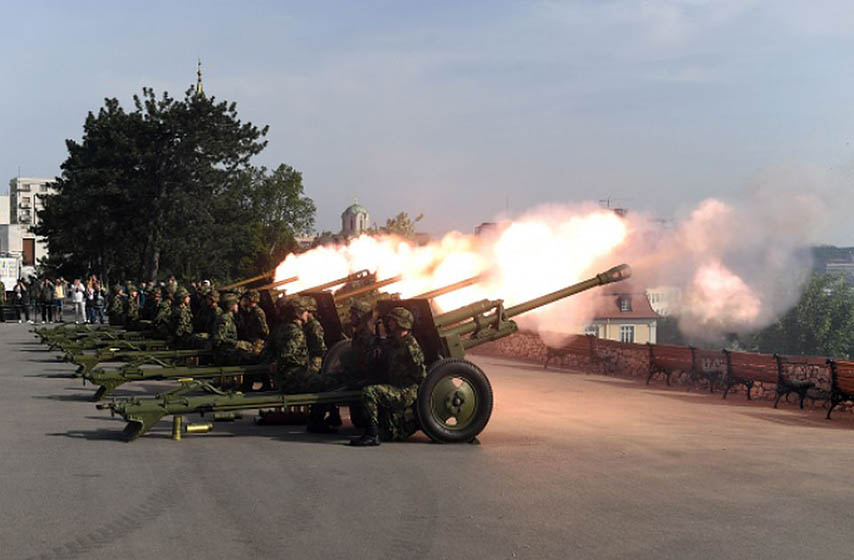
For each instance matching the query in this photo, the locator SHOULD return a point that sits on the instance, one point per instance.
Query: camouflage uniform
(228, 349)
(2, 294)
(117, 309)
(162, 318)
(405, 370)
(255, 323)
(181, 322)
(293, 370)
(314, 339)
(358, 364)
(131, 311)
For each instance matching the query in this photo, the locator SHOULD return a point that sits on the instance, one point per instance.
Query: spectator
(34, 289)
(143, 294)
(78, 294)
(58, 299)
(99, 299)
(46, 301)
(21, 298)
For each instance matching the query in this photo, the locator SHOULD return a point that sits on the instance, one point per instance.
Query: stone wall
(632, 360)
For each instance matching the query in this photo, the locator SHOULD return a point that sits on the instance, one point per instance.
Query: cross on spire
(199, 89)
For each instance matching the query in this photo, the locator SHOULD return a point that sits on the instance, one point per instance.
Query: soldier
(181, 323)
(152, 302)
(162, 315)
(293, 372)
(131, 308)
(404, 370)
(209, 312)
(314, 337)
(117, 306)
(359, 362)
(228, 349)
(255, 326)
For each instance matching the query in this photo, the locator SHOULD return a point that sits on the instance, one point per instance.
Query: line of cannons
(734, 369)
(453, 404)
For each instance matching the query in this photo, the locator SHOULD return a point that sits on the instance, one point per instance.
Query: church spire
(199, 89)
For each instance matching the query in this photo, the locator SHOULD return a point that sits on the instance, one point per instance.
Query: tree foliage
(821, 324)
(401, 225)
(168, 187)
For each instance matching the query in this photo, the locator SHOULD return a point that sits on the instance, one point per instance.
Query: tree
(820, 324)
(168, 187)
(401, 225)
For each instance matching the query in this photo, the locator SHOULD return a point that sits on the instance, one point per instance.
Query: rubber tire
(454, 367)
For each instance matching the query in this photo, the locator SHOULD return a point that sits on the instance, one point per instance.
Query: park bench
(698, 372)
(666, 359)
(786, 385)
(841, 383)
(583, 346)
(746, 368)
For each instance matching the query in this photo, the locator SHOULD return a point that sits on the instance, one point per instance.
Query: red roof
(608, 307)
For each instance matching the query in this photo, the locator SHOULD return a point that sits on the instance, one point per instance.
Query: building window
(591, 330)
(627, 333)
(625, 303)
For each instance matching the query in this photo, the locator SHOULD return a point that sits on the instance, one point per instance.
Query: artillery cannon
(454, 401)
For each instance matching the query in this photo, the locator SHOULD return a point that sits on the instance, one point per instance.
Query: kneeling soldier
(294, 373)
(405, 371)
(228, 349)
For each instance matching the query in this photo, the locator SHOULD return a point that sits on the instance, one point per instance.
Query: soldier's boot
(370, 438)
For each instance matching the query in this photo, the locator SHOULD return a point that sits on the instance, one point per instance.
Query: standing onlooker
(78, 293)
(90, 301)
(100, 302)
(21, 298)
(34, 289)
(58, 299)
(46, 301)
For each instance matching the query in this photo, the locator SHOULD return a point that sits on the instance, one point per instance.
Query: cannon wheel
(454, 401)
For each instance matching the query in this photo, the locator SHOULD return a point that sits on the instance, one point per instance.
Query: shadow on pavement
(91, 435)
(77, 397)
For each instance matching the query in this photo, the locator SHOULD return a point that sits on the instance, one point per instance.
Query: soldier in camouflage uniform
(293, 372)
(404, 370)
(152, 301)
(116, 311)
(315, 338)
(131, 310)
(181, 322)
(358, 363)
(162, 317)
(204, 321)
(228, 348)
(255, 326)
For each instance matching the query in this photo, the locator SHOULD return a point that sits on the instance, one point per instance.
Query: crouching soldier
(404, 371)
(293, 371)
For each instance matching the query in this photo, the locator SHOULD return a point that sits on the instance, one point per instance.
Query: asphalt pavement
(571, 466)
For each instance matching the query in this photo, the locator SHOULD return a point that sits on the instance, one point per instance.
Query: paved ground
(571, 466)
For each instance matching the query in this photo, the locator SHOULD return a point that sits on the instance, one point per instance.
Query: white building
(19, 211)
(665, 300)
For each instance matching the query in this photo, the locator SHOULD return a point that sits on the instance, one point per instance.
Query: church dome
(355, 209)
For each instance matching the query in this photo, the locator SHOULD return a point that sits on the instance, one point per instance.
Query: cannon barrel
(370, 287)
(360, 275)
(278, 283)
(472, 312)
(249, 280)
(451, 287)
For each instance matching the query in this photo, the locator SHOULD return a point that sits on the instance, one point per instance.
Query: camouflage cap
(254, 296)
(131, 288)
(228, 298)
(361, 309)
(156, 291)
(212, 294)
(181, 293)
(309, 303)
(402, 316)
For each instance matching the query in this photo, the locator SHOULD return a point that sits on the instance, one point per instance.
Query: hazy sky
(454, 109)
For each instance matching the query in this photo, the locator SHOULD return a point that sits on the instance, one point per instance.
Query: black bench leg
(779, 396)
(801, 396)
(667, 377)
(546, 363)
(833, 404)
(649, 376)
(726, 389)
(749, 387)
